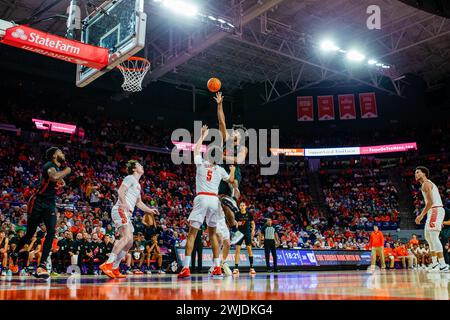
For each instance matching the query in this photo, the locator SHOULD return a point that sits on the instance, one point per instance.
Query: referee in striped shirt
(270, 241)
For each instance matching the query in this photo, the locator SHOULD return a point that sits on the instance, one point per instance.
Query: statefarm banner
(305, 108)
(325, 105)
(30, 39)
(347, 109)
(368, 105)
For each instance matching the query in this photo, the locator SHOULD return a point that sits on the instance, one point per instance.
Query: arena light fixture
(181, 7)
(328, 45)
(212, 18)
(221, 20)
(372, 61)
(385, 66)
(355, 55)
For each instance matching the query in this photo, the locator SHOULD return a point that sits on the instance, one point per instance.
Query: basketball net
(134, 70)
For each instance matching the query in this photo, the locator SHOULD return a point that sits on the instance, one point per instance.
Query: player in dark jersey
(42, 205)
(247, 227)
(445, 234)
(229, 194)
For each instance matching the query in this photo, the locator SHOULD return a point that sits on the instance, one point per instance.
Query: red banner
(326, 107)
(347, 109)
(30, 39)
(305, 109)
(368, 105)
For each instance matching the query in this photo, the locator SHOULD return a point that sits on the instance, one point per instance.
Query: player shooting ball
(229, 193)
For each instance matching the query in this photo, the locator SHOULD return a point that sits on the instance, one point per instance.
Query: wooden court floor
(338, 285)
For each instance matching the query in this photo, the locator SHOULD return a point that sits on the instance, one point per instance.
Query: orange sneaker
(117, 274)
(14, 268)
(107, 269)
(217, 272)
(184, 273)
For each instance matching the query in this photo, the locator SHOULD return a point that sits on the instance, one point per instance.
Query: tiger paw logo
(20, 33)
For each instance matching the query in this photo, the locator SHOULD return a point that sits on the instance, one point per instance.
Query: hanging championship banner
(305, 108)
(347, 109)
(326, 107)
(368, 105)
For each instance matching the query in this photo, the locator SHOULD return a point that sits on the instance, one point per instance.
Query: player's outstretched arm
(55, 175)
(198, 145)
(221, 116)
(141, 205)
(231, 179)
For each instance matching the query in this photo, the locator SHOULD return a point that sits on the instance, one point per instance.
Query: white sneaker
(226, 269)
(434, 268)
(237, 236)
(444, 268)
(161, 272)
(210, 271)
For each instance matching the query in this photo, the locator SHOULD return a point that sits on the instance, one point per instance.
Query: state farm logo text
(44, 41)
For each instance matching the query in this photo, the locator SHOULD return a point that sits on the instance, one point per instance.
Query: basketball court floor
(324, 285)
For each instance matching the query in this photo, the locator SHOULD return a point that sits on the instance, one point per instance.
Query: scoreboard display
(292, 257)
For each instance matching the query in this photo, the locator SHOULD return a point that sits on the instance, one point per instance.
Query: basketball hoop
(134, 70)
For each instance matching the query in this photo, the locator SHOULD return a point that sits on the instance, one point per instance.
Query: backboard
(118, 25)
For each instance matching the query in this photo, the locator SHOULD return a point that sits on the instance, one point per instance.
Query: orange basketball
(214, 84)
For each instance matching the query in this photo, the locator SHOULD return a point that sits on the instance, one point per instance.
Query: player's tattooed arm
(221, 116)
(55, 175)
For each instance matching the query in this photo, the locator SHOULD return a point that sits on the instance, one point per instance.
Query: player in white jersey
(435, 216)
(206, 205)
(223, 234)
(129, 198)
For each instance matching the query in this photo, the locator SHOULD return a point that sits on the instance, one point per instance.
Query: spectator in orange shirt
(377, 245)
(389, 255)
(414, 240)
(402, 254)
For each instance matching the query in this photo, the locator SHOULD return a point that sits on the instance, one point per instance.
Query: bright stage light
(181, 7)
(372, 61)
(355, 55)
(230, 25)
(384, 66)
(221, 20)
(212, 18)
(328, 46)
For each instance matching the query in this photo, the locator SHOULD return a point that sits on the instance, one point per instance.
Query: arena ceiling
(276, 42)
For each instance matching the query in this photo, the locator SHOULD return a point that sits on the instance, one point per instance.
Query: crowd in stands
(361, 198)
(356, 199)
